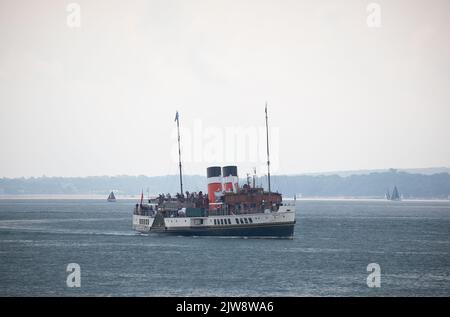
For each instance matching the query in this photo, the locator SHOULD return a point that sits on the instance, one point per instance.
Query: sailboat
(111, 197)
(395, 196)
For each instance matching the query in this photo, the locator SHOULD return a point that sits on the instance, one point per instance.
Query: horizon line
(327, 173)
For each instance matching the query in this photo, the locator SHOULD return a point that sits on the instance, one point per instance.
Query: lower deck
(271, 224)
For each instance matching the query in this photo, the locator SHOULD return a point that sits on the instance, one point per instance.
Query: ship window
(245, 219)
(237, 220)
(215, 221)
(250, 219)
(229, 221)
(242, 221)
(221, 221)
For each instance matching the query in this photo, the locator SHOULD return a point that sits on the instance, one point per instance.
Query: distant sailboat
(395, 196)
(111, 197)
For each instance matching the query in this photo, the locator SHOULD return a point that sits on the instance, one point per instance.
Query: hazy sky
(101, 99)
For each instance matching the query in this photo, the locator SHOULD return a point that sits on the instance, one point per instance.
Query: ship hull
(264, 231)
(277, 224)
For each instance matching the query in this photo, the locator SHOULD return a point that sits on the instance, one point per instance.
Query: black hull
(264, 231)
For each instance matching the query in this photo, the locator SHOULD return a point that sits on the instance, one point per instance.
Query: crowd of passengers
(198, 199)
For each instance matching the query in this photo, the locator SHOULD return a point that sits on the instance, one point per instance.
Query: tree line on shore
(410, 185)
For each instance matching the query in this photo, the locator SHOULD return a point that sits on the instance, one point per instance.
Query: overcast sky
(100, 99)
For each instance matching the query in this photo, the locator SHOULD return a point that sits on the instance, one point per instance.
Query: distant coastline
(63, 197)
(374, 185)
(133, 198)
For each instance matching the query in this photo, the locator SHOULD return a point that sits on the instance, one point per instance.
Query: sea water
(334, 243)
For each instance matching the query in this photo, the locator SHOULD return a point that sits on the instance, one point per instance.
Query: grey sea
(333, 244)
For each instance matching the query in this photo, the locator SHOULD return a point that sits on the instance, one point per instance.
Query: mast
(268, 160)
(179, 152)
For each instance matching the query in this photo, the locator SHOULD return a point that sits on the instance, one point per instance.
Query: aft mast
(179, 152)
(268, 160)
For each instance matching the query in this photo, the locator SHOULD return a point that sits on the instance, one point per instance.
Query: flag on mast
(176, 116)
